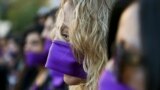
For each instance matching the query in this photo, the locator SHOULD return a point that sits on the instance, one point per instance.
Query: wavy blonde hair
(88, 34)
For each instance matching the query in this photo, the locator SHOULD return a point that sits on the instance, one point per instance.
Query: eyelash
(64, 34)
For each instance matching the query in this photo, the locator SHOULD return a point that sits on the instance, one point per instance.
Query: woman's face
(49, 24)
(128, 33)
(63, 22)
(12, 47)
(33, 43)
(60, 32)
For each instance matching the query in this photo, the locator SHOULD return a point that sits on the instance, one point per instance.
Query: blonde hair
(88, 36)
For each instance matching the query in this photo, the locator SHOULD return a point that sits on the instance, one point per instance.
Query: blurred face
(128, 30)
(3, 44)
(49, 24)
(33, 43)
(128, 33)
(12, 46)
(63, 22)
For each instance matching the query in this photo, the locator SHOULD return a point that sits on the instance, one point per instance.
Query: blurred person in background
(57, 82)
(5, 27)
(34, 75)
(34, 68)
(13, 55)
(41, 17)
(3, 65)
(134, 63)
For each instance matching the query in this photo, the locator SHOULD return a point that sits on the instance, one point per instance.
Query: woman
(86, 22)
(135, 36)
(3, 65)
(60, 32)
(35, 57)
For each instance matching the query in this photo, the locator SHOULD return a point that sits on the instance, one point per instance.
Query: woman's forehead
(68, 13)
(33, 36)
(65, 14)
(60, 18)
(128, 29)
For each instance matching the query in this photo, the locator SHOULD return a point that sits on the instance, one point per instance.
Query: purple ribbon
(108, 82)
(57, 78)
(33, 59)
(61, 59)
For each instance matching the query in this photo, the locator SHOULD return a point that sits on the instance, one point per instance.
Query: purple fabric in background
(33, 59)
(108, 82)
(47, 44)
(61, 59)
(57, 78)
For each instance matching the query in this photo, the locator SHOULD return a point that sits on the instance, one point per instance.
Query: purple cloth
(47, 44)
(57, 78)
(61, 59)
(33, 59)
(108, 82)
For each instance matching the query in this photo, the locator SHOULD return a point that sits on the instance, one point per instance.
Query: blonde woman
(60, 34)
(83, 24)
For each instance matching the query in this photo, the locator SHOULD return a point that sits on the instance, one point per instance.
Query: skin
(128, 32)
(64, 20)
(33, 43)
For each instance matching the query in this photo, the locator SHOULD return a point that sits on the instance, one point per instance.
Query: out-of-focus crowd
(86, 45)
(22, 57)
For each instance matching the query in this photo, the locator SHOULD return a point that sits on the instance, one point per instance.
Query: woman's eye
(65, 35)
(34, 43)
(64, 32)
